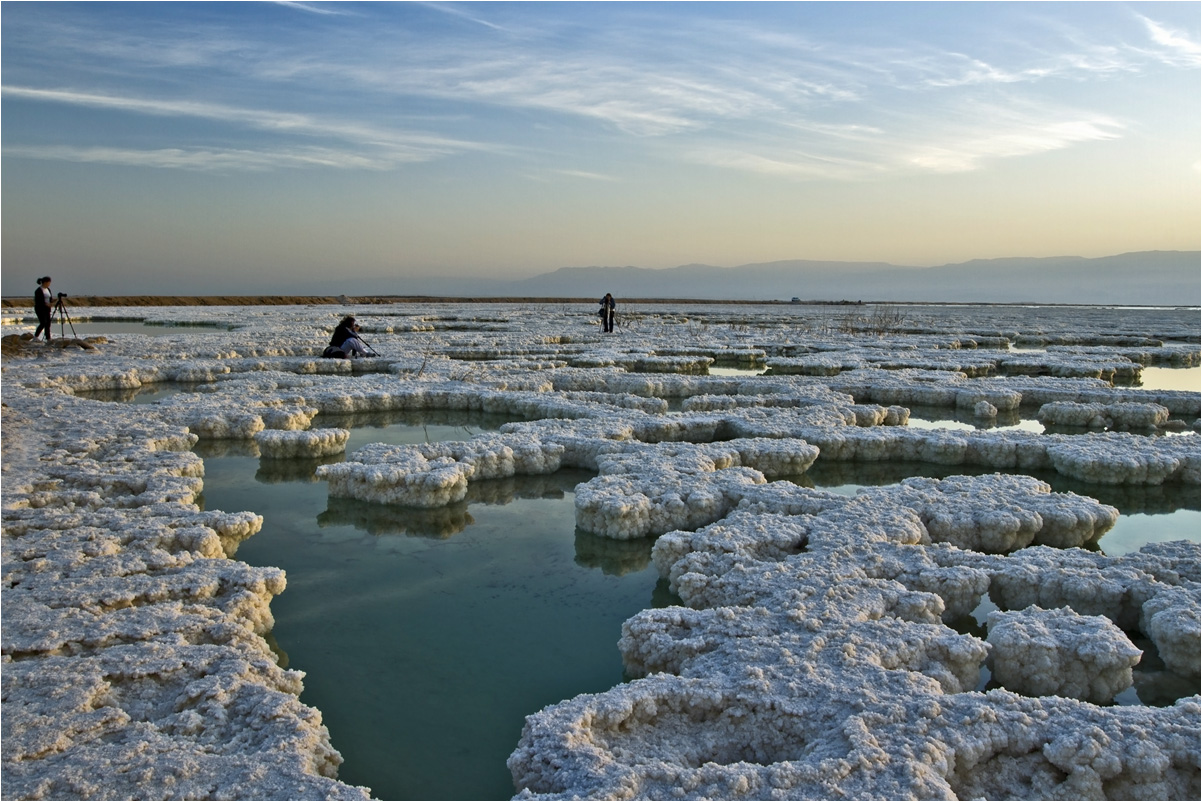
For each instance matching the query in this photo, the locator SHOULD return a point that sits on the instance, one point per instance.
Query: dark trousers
(607, 321)
(43, 321)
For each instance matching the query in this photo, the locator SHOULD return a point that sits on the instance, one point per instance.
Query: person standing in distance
(607, 312)
(42, 304)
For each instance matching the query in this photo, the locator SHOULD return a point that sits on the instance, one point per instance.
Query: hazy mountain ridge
(1140, 278)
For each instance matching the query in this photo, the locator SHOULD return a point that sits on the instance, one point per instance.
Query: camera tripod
(60, 309)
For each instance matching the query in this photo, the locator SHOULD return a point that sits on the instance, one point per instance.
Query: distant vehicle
(795, 300)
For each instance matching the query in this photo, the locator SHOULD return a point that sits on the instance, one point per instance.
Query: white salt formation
(814, 656)
(1059, 653)
(282, 444)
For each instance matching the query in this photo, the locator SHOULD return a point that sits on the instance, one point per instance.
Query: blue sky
(298, 147)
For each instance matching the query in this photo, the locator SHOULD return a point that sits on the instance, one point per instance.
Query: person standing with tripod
(42, 304)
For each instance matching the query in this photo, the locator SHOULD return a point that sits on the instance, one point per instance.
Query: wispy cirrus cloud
(785, 163)
(591, 176)
(204, 159)
(1177, 46)
(819, 107)
(974, 148)
(365, 145)
(311, 8)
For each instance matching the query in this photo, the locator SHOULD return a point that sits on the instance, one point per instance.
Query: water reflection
(1159, 378)
(209, 448)
(725, 369)
(409, 426)
(614, 557)
(379, 519)
(444, 522)
(923, 417)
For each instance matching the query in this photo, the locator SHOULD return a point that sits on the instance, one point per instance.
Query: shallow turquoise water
(428, 636)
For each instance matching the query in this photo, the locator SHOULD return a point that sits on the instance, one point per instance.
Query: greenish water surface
(428, 636)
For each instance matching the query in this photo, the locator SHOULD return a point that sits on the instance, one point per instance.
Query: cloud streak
(389, 147)
(204, 160)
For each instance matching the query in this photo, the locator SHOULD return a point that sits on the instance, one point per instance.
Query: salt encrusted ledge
(813, 661)
(133, 659)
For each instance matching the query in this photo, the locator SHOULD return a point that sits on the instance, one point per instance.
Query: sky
(289, 148)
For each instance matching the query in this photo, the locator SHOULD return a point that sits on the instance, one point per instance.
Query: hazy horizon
(259, 148)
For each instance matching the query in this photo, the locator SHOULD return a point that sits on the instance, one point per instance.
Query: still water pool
(428, 636)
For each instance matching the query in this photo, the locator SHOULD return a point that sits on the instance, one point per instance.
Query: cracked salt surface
(813, 657)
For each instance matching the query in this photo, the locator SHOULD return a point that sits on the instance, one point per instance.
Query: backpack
(333, 353)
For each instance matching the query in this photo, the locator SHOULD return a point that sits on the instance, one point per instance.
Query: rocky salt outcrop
(811, 663)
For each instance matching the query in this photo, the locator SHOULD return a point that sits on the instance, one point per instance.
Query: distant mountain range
(1158, 278)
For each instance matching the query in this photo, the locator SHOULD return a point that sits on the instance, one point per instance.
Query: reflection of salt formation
(814, 664)
(613, 557)
(445, 521)
(376, 519)
(280, 471)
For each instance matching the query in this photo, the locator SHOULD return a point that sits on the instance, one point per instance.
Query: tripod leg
(63, 317)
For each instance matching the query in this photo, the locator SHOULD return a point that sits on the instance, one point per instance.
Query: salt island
(816, 652)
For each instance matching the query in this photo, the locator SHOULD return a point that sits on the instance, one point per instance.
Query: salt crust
(1059, 653)
(814, 657)
(133, 659)
(811, 663)
(313, 443)
(1104, 416)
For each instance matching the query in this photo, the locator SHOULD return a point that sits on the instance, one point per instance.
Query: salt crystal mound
(435, 474)
(1001, 513)
(1039, 652)
(811, 612)
(277, 444)
(811, 662)
(1104, 416)
(133, 659)
(1171, 619)
(648, 490)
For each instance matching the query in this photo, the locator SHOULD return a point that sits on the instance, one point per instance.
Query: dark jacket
(341, 335)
